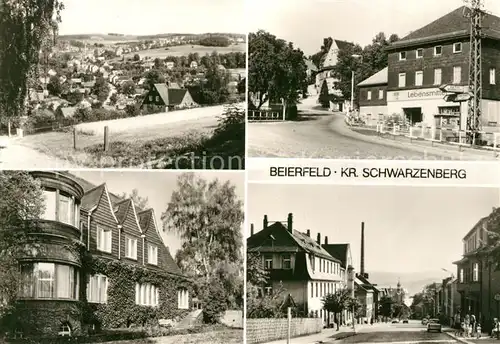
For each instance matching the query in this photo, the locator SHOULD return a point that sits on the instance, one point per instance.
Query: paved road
(323, 134)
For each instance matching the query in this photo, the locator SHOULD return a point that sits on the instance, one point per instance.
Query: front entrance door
(413, 115)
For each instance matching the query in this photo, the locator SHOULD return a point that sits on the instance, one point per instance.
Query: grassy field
(128, 148)
(183, 50)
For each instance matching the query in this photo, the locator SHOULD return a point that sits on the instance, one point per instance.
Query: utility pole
(475, 67)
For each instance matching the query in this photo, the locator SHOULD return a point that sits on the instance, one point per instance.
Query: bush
(42, 120)
(215, 304)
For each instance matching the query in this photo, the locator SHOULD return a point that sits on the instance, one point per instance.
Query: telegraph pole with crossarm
(475, 67)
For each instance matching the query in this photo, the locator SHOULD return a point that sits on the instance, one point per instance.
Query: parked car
(425, 321)
(434, 325)
(405, 321)
(395, 321)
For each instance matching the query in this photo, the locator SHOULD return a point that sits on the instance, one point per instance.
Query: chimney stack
(265, 222)
(319, 239)
(290, 222)
(326, 240)
(251, 229)
(308, 233)
(362, 267)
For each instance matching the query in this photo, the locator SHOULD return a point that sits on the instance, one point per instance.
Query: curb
(461, 340)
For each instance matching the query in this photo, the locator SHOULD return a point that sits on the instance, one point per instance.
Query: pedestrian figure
(467, 324)
(473, 323)
(478, 331)
(495, 327)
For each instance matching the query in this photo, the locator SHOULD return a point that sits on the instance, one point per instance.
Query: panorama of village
(358, 268)
(105, 99)
(424, 88)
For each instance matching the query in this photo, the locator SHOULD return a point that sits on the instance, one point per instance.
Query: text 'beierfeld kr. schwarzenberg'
(368, 172)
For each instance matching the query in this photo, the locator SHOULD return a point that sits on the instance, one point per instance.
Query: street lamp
(356, 56)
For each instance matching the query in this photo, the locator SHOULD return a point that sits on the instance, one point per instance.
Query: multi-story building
(99, 261)
(478, 279)
(449, 299)
(325, 74)
(438, 54)
(298, 264)
(372, 99)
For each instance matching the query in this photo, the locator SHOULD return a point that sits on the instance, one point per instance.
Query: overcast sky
(158, 188)
(407, 229)
(147, 17)
(307, 22)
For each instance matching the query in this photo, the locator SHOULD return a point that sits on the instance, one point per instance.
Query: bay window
(49, 281)
(146, 294)
(61, 207)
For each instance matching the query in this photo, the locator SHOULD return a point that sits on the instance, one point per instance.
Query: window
(152, 254)
(317, 287)
(150, 98)
(419, 78)
(492, 76)
(268, 262)
(146, 294)
(420, 53)
(182, 299)
(61, 207)
(66, 209)
(157, 98)
(50, 205)
(438, 50)
(49, 281)
(437, 76)
(287, 262)
(475, 272)
(457, 74)
(369, 95)
(380, 94)
(461, 277)
(312, 289)
(130, 247)
(402, 80)
(457, 47)
(97, 289)
(104, 237)
(269, 291)
(64, 330)
(402, 55)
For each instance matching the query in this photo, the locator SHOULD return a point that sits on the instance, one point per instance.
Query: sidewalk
(484, 339)
(329, 333)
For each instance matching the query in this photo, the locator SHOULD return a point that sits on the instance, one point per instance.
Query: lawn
(184, 50)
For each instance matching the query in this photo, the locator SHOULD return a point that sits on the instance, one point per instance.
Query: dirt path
(16, 157)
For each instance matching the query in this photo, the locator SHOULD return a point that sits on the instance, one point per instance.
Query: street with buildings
(421, 92)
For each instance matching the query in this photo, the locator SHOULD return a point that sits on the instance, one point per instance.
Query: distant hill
(118, 36)
(414, 282)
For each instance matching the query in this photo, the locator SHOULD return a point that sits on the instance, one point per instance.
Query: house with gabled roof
(103, 257)
(165, 97)
(438, 54)
(297, 263)
(372, 100)
(326, 75)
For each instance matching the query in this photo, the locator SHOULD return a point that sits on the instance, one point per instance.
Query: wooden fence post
(9, 129)
(289, 316)
(106, 138)
(74, 138)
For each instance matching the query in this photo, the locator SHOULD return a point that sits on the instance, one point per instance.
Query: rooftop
(378, 78)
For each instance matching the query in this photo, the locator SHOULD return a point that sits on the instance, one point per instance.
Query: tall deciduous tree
(386, 306)
(207, 216)
(276, 70)
(21, 203)
(26, 29)
(140, 202)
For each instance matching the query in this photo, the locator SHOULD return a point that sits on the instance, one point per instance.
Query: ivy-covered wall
(45, 317)
(120, 309)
